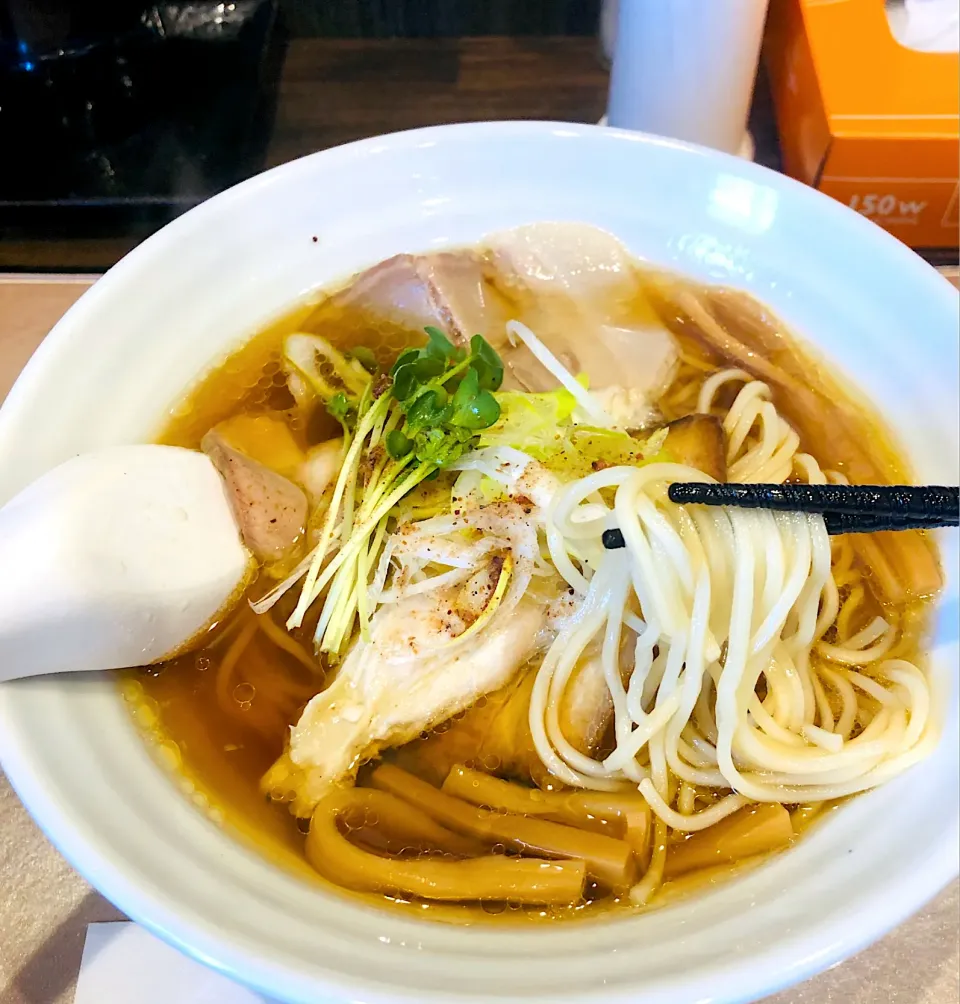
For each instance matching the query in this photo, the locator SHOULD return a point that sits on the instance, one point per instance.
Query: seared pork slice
(446, 290)
(270, 510)
(572, 284)
(577, 290)
(401, 682)
(494, 735)
(579, 259)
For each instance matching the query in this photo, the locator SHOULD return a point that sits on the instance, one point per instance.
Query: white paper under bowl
(194, 291)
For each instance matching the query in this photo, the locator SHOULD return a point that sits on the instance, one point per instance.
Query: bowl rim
(847, 932)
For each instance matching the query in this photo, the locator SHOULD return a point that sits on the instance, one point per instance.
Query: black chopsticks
(845, 508)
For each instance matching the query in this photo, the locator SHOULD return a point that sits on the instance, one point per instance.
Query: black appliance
(116, 115)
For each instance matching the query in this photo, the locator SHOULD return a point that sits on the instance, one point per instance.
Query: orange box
(864, 119)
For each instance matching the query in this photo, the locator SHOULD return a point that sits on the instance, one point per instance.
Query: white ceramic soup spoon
(116, 558)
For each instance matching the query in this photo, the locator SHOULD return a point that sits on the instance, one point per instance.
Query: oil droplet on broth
(493, 907)
(132, 690)
(244, 693)
(169, 753)
(146, 714)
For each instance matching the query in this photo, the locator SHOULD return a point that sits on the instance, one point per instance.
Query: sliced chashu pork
(571, 283)
(398, 684)
(495, 735)
(445, 289)
(578, 290)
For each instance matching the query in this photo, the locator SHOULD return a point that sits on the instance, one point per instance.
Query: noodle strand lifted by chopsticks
(734, 603)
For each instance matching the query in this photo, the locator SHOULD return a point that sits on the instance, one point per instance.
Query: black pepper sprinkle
(613, 539)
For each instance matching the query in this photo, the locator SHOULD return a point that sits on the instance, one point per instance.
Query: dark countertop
(332, 91)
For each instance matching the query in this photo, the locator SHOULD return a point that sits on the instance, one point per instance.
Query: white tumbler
(686, 69)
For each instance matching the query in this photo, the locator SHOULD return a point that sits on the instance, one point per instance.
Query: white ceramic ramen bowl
(194, 291)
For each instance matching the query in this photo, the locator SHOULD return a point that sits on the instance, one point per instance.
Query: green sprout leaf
(486, 363)
(407, 356)
(428, 367)
(440, 347)
(405, 381)
(428, 411)
(398, 445)
(473, 408)
(486, 409)
(464, 397)
(342, 410)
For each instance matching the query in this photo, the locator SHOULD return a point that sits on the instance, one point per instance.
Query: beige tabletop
(45, 906)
